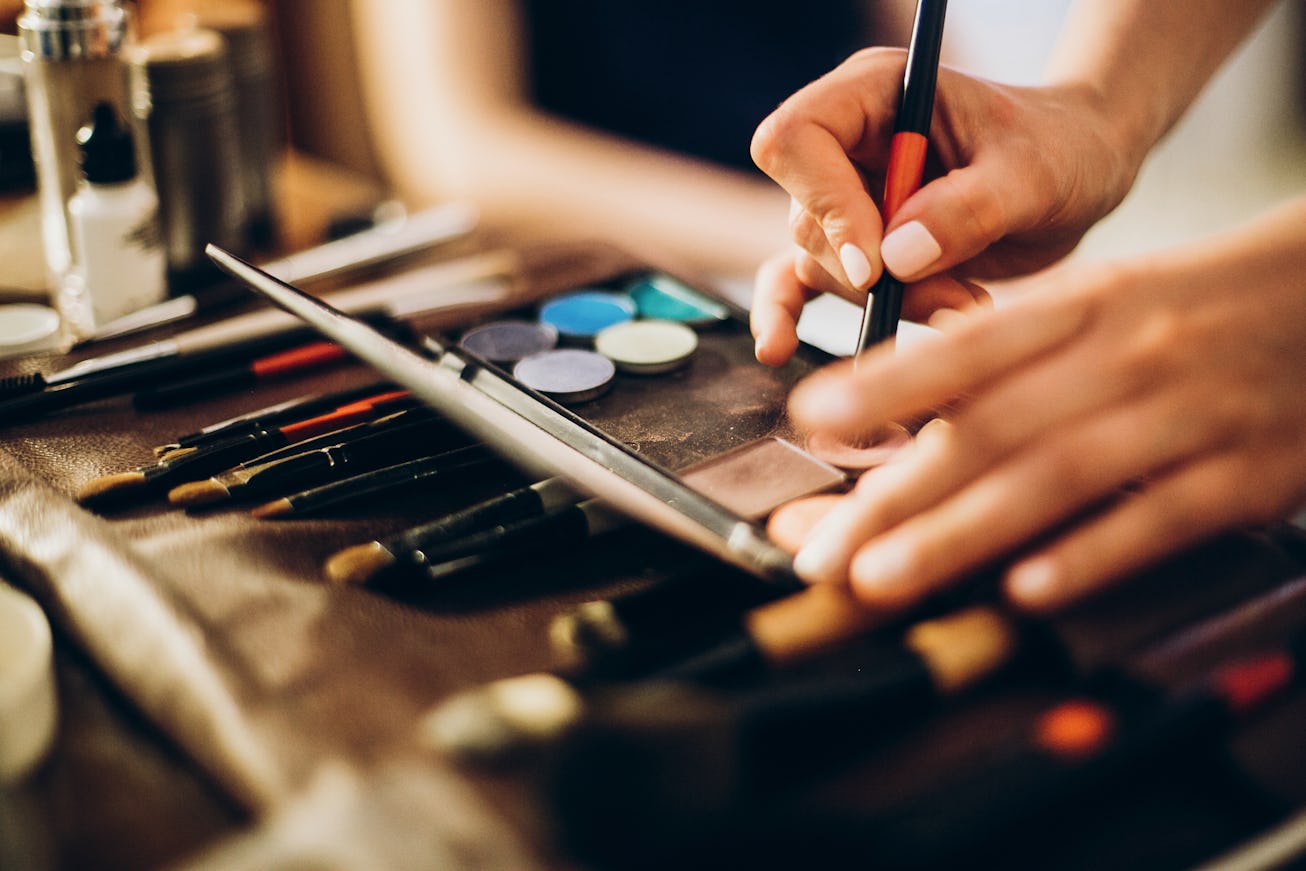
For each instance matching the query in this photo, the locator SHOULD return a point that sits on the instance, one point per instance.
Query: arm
(1022, 172)
(1148, 61)
(447, 103)
(1111, 415)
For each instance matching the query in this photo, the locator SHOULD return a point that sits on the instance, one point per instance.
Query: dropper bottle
(72, 60)
(120, 264)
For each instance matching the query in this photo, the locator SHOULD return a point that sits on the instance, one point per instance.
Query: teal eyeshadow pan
(660, 297)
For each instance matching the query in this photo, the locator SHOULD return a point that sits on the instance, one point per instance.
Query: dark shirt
(692, 76)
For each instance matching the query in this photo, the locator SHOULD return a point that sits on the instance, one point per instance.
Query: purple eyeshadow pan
(509, 341)
(569, 375)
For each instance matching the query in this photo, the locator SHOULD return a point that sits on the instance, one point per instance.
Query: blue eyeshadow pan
(580, 316)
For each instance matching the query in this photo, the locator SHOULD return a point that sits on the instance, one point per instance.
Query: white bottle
(118, 257)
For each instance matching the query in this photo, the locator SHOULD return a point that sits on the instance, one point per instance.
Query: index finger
(887, 386)
(806, 147)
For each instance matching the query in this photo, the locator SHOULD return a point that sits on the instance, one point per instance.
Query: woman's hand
(1016, 176)
(1109, 416)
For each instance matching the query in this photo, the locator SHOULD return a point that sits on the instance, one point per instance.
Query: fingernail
(820, 404)
(884, 568)
(909, 249)
(1033, 581)
(855, 265)
(822, 558)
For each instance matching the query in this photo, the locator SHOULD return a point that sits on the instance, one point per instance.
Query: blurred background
(1242, 146)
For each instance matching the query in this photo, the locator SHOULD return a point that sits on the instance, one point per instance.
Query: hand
(1016, 175)
(1106, 418)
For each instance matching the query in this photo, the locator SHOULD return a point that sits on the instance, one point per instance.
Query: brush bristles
(591, 628)
(198, 493)
(109, 485)
(501, 720)
(962, 648)
(173, 453)
(358, 564)
(21, 385)
(277, 508)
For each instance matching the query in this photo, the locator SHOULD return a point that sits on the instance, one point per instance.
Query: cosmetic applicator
(366, 451)
(1191, 587)
(1077, 744)
(639, 633)
(241, 376)
(677, 760)
(667, 719)
(797, 628)
(377, 560)
(524, 520)
(190, 464)
(299, 408)
(906, 159)
(479, 279)
(422, 473)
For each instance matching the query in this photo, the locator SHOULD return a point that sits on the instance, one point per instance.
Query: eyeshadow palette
(620, 434)
(686, 386)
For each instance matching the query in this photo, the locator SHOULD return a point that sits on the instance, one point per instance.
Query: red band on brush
(345, 415)
(1246, 684)
(1075, 729)
(298, 358)
(906, 169)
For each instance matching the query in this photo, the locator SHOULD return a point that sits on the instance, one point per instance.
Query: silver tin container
(182, 90)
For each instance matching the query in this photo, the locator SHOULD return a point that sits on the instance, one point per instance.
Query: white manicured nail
(822, 559)
(1033, 581)
(855, 265)
(909, 249)
(883, 568)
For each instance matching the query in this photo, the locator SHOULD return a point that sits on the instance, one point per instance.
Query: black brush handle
(533, 536)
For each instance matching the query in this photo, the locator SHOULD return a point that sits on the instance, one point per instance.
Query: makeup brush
(795, 629)
(384, 562)
(386, 240)
(311, 468)
(445, 469)
(243, 375)
(906, 166)
(608, 797)
(299, 408)
(481, 278)
(638, 633)
(190, 464)
(1189, 588)
(1077, 744)
(58, 393)
(530, 538)
(788, 472)
(939, 657)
